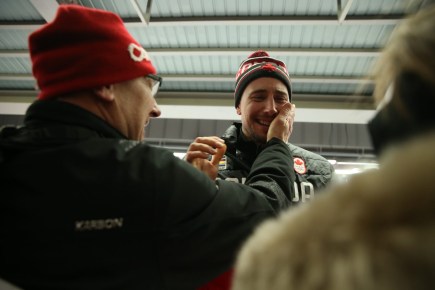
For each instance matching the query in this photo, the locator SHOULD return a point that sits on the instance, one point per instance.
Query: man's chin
(261, 134)
(259, 139)
(257, 134)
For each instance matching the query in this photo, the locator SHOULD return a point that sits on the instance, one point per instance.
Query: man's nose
(155, 111)
(270, 106)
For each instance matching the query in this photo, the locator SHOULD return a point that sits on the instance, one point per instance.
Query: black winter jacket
(82, 207)
(312, 171)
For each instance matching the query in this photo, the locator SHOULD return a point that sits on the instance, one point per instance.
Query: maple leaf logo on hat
(268, 67)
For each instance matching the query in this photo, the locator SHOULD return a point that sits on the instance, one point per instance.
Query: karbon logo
(99, 224)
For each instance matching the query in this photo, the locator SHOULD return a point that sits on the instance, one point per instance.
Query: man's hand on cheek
(282, 126)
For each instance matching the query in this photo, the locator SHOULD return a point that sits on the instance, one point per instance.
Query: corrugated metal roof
(268, 36)
(18, 10)
(197, 45)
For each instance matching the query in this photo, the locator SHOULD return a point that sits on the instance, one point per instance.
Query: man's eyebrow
(258, 91)
(281, 92)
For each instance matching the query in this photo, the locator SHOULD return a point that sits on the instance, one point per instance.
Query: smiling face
(260, 103)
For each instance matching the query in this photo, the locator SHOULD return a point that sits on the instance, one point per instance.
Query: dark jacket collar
(238, 146)
(52, 112)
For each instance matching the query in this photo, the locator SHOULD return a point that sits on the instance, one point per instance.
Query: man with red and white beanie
(263, 87)
(87, 205)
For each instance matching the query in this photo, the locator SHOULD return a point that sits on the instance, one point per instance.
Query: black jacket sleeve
(271, 171)
(201, 224)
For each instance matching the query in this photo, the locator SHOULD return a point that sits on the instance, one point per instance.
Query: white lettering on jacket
(306, 192)
(100, 224)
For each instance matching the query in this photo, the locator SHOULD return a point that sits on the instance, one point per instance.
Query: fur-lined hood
(375, 232)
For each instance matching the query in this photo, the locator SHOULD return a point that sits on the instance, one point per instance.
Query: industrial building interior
(329, 47)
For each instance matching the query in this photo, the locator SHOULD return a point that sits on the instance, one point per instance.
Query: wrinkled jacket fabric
(312, 171)
(85, 208)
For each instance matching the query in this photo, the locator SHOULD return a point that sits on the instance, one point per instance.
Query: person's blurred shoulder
(308, 155)
(314, 163)
(389, 210)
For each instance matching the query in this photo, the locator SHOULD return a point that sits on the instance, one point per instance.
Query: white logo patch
(299, 165)
(137, 53)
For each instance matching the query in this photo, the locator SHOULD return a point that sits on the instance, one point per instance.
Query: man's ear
(106, 93)
(238, 110)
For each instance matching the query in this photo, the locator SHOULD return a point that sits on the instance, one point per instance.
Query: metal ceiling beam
(224, 78)
(29, 95)
(306, 98)
(318, 112)
(16, 77)
(14, 53)
(342, 11)
(238, 21)
(308, 115)
(327, 103)
(294, 78)
(46, 8)
(242, 51)
(143, 16)
(22, 25)
(269, 20)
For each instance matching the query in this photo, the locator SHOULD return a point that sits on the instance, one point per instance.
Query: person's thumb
(218, 156)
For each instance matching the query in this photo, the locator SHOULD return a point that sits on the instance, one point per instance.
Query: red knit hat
(260, 65)
(84, 48)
